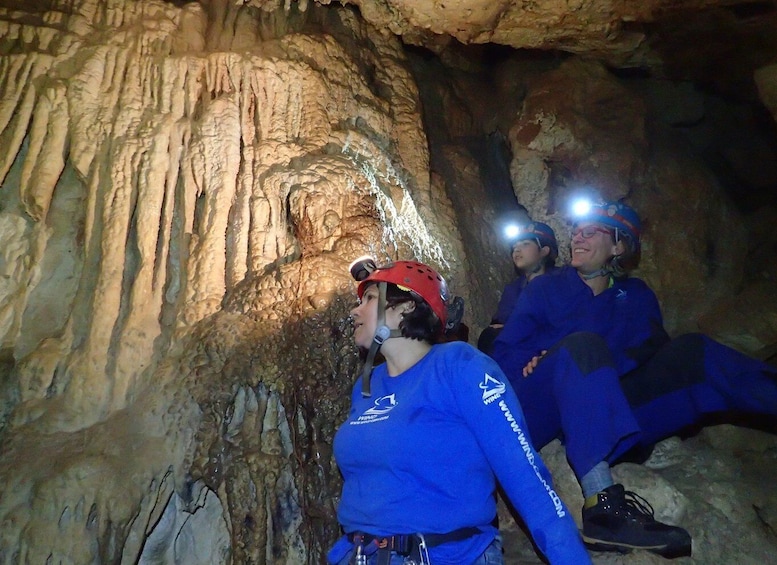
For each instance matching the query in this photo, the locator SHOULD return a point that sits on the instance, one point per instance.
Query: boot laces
(636, 506)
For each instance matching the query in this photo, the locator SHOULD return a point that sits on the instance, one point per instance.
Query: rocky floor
(720, 484)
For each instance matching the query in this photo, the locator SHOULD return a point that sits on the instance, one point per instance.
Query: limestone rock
(716, 485)
(182, 187)
(766, 79)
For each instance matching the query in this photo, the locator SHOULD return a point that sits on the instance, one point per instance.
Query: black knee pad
(587, 349)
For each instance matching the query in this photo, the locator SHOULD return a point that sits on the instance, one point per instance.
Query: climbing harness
(413, 547)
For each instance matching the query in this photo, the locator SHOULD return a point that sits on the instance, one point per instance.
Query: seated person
(534, 250)
(429, 433)
(587, 354)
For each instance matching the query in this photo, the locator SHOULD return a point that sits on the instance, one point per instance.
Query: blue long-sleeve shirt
(424, 452)
(626, 315)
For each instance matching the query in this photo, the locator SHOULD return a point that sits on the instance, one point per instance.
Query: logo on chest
(378, 411)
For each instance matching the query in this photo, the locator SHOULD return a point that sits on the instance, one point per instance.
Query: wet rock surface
(182, 188)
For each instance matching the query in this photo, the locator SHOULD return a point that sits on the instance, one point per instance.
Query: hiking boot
(622, 520)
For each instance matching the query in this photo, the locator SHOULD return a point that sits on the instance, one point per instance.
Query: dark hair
(549, 261)
(621, 265)
(421, 323)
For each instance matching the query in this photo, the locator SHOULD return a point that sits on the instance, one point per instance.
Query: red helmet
(416, 277)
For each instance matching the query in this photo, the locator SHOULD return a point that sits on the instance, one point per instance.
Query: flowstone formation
(183, 186)
(182, 191)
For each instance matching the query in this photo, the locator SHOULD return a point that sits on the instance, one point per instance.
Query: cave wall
(182, 188)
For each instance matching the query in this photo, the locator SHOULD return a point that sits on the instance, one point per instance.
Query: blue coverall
(612, 378)
(508, 301)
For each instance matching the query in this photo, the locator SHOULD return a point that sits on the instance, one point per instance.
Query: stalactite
(182, 187)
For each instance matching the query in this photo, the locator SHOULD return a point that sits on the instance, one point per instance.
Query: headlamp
(362, 268)
(581, 207)
(512, 231)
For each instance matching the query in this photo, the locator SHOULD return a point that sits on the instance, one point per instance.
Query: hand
(530, 366)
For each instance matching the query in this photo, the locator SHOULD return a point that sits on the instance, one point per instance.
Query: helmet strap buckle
(382, 333)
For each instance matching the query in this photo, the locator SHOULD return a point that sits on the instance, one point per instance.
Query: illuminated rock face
(180, 204)
(182, 187)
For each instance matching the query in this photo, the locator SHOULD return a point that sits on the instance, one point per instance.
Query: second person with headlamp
(587, 354)
(534, 249)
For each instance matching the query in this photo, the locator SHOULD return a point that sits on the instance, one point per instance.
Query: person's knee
(589, 351)
(583, 340)
(487, 338)
(689, 344)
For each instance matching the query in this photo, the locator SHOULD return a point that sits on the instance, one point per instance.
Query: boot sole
(667, 551)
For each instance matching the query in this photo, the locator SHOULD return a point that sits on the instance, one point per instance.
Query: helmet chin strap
(539, 266)
(536, 269)
(382, 333)
(603, 272)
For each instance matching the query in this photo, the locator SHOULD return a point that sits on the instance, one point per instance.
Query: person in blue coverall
(429, 433)
(587, 354)
(534, 250)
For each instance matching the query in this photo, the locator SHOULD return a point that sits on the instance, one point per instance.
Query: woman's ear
(544, 251)
(619, 248)
(404, 307)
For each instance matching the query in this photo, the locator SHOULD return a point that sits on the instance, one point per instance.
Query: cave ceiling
(717, 44)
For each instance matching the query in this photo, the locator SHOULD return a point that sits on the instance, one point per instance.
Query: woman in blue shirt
(429, 433)
(587, 354)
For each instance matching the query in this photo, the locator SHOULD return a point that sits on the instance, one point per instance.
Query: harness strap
(433, 540)
(405, 543)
